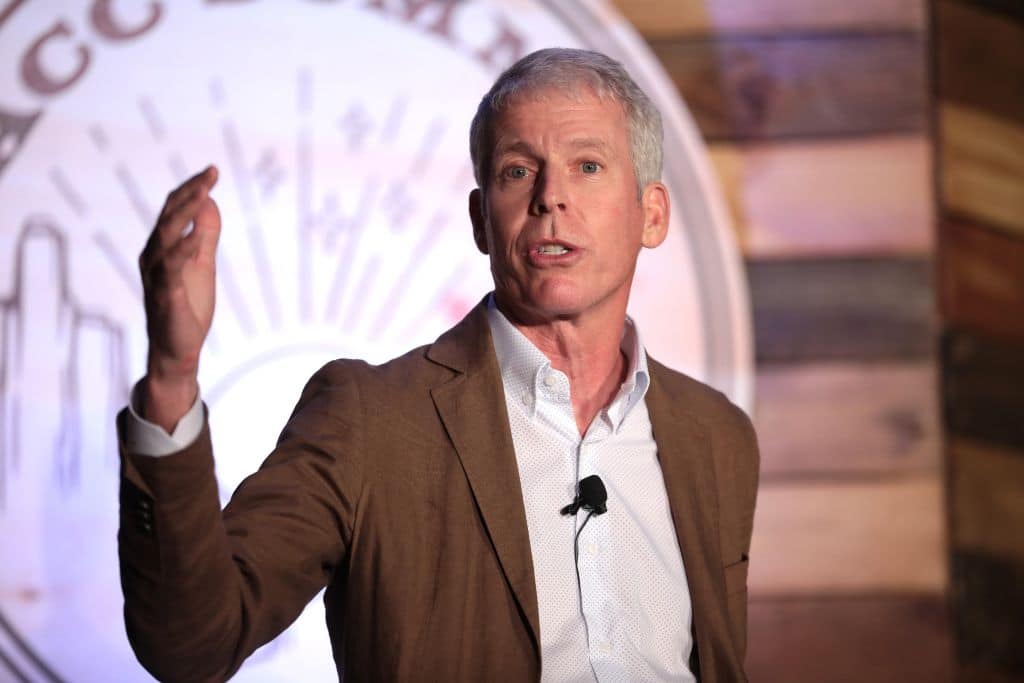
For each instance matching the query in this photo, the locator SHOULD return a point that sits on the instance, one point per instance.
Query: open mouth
(553, 249)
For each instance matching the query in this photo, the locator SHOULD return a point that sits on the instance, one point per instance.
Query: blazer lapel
(684, 452)
(472, 408)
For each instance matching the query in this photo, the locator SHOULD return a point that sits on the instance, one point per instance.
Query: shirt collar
(524, 366)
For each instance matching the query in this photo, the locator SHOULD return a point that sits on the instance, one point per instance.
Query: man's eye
(517, 172)
(590, 167)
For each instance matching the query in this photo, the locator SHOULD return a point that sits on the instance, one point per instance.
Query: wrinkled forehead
(578, 92)
(578, 89)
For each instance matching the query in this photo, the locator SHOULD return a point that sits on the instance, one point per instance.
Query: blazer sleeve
(738, 461)
(204, 588)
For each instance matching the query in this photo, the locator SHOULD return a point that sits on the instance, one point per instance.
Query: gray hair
(568, 69)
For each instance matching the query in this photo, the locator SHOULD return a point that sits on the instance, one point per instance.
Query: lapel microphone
(591, 496)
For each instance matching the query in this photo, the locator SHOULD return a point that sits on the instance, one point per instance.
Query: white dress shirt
(628, 618)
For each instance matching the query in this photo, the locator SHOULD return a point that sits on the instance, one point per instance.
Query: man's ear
(656, 209)
(476, 216)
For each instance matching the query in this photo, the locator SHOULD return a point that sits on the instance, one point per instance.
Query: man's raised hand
(178, 267)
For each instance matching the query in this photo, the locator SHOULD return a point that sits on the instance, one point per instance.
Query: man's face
(561, 219)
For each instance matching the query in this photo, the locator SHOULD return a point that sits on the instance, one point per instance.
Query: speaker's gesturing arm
(178, 267)
(203, 589)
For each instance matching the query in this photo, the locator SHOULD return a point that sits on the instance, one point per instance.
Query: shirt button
(604, 648)
(550, 381)
(526, 398)
(593, 549)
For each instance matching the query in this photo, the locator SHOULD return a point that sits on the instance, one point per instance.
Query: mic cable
(592, 496)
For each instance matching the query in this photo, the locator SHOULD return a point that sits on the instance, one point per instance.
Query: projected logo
(340, 129)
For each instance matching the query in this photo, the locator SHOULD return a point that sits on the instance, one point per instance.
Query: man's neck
(589, 353)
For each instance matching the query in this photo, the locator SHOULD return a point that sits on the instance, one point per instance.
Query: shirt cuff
(148, 438)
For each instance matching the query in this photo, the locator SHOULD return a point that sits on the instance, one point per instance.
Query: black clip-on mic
(592, 496)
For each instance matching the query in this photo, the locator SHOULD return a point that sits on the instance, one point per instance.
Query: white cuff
(147, 438)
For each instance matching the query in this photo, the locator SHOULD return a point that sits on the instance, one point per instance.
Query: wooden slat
(903, 639)
(837, 197)
(981, 275)
(975, 673)
(982, 167)
(1012, 10)
(980, 59)
(987, 499)
(847, 419)
(988, 599)
(659, 18)
(845, 538)
(741, 88)
(842, 309)
(982, 388)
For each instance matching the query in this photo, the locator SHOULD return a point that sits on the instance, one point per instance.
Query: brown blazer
(396, 487)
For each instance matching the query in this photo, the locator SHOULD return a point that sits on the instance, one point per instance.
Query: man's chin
(539, 310)
(554, 301)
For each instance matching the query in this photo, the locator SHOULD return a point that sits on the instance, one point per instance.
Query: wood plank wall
(978, 59)
(818, 118)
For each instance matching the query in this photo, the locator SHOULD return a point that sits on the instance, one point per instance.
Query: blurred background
(870, 160)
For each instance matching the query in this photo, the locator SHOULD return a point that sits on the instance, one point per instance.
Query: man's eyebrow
(516, 146)
(590, 143)
(523, 147)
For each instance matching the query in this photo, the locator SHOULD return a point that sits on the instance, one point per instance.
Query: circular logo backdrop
(341, 132)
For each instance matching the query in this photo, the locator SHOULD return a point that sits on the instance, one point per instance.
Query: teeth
(552, 249)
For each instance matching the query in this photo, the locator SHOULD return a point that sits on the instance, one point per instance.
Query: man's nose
(550, 193)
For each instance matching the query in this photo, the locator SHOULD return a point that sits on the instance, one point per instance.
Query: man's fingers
(179, 210)
(181, 252)
(200, 182)
(204, 180)
(207, 217)
(203, 238)
(207, 229)
(164, 269)
(170, 227)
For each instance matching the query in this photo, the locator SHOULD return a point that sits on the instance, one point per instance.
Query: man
(425, 493)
